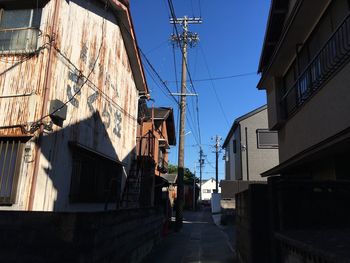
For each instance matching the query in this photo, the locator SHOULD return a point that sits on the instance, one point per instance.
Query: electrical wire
(222, 77)
(192, 7)
(157, 47)
(214, 89)
(175, 70)
(173, 15)
(200, 8)
(158, 76)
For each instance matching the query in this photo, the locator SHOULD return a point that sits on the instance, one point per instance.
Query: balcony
(332, 57)
(162, 165)
(145, 145)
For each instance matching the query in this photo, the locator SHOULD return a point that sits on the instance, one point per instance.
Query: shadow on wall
(80, 169)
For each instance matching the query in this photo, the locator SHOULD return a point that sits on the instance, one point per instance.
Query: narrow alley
(200, 240)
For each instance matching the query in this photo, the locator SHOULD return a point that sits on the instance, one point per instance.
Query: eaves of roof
(274, 30)
(238, 120)
(121, 8)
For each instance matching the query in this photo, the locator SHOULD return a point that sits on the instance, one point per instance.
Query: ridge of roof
(241, 118)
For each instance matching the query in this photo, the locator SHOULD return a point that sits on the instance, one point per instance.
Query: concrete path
(200, 240)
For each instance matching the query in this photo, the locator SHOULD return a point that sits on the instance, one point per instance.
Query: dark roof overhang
(14, 4)
(275, 25)
(331, 147)
(165, 114)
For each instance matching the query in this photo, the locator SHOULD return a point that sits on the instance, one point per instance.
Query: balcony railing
(334, 54)
(163, 165)
(145, 145)
(19, 40)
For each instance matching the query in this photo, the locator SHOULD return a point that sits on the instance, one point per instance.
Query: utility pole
(194, 187)
(201, 163)
(217, 151)
(185, 39)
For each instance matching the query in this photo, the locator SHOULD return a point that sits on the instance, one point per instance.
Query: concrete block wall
(118, 236)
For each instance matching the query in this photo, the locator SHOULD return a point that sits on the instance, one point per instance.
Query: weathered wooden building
(155, 135)
(70, 81)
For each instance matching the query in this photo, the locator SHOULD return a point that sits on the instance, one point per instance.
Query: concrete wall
(252, 225)
(123, 236)
(102, 116)
(259, 160)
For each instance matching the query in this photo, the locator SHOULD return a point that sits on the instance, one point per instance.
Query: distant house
(250, 147)
(71, 77)
(207, 188)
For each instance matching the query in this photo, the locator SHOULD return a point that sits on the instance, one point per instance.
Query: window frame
(32, 29)
(11, 199)
(259, 146)
(234, 148)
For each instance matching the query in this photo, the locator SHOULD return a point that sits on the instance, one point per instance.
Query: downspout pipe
(46, 93)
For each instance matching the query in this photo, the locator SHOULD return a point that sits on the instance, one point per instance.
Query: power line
(175, 70)
(172, 12)
(158, 76)
(213, 88)
(200, 8)
(173, 15)
(157, 47)
(222, 77)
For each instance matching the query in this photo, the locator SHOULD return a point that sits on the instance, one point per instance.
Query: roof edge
(241, 118)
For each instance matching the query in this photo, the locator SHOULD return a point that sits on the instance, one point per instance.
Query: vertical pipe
(47, 83)
(246, 152)
(200, 173)
(194, 188)
(217, 163)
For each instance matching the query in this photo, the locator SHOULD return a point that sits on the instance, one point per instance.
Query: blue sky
(231, 38)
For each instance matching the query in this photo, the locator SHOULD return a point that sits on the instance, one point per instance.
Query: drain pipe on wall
(246, 152)
(47, 83)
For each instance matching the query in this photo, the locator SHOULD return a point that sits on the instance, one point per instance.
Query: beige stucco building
(305, 72)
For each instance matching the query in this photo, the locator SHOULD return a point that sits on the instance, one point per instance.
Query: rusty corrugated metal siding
(102, 115)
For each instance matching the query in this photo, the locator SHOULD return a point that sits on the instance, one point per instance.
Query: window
(267, 139)
(95, 178)
(11, 150)
(19, 30)
(206, 191)
(234, 142)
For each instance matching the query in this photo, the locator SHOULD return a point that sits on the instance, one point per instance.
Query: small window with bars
(11, 152)
(19, 30)
(267, 139)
